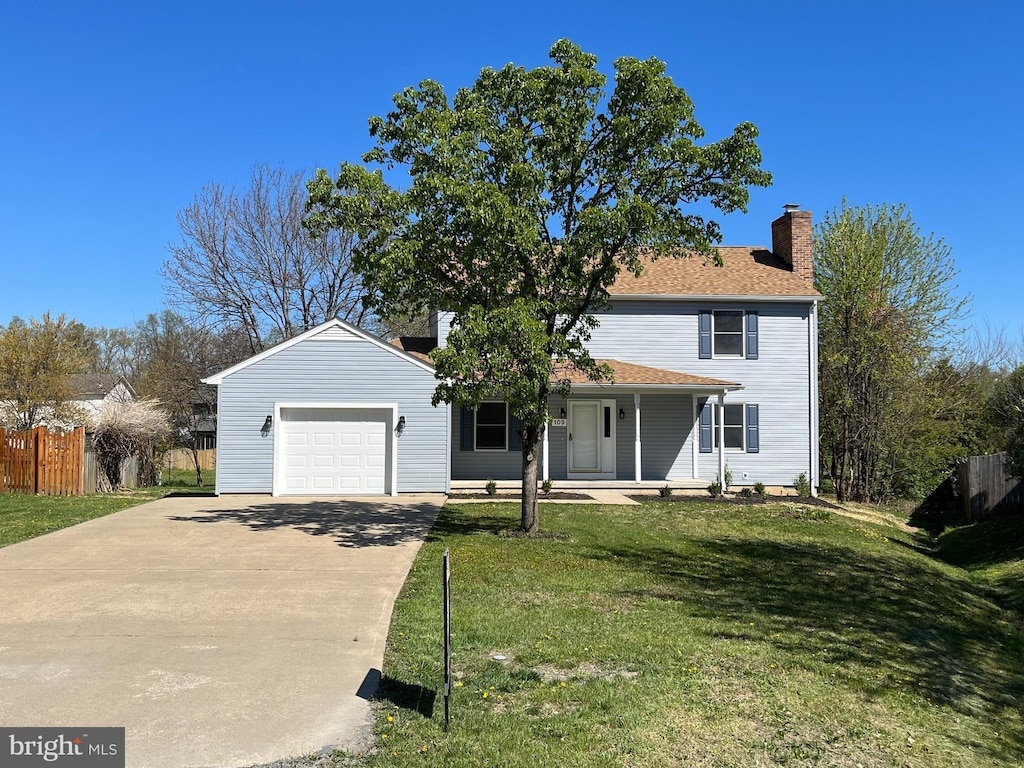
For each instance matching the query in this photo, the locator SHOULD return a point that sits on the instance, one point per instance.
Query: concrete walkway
(218, 631)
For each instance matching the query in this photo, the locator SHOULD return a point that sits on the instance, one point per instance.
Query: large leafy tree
(530, 191)
(1007, 407)
(887, 319)
(38, 362)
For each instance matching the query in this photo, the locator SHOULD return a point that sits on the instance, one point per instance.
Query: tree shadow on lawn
(878, 620)
(349, 523)
(457, 520)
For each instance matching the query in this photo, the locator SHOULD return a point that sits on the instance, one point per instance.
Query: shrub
(492, 488)
(760, 490)
(728, 478)
(715, 489)
(665, 492)
(802, 485)
(125, 429)
(746, 492)
(546, 486)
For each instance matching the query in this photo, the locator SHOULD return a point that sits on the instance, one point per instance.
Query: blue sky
(113, 115)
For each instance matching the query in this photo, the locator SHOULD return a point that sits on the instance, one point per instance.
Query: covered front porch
(588, 485)
(641, 430)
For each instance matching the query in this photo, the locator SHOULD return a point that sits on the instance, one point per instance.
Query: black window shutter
(751, 335)
(753, 429)
(704, 335)
(468, 423)
(706, 442)
(515, 443)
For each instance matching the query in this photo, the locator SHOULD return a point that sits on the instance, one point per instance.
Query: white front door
(591, 439)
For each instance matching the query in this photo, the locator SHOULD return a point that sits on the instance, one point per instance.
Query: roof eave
(695, 388)
(810, 297)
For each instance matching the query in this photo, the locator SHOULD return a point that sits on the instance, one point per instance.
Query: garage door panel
(335, 450)
(323, 484)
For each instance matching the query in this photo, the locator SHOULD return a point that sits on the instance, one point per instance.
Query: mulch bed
(739, 500)
(553, 496)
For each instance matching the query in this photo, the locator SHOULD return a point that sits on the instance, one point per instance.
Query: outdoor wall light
(267, 424)
(401, 425)
(622, 414)
(561, 413)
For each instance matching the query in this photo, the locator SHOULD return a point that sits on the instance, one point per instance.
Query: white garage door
(334, 451)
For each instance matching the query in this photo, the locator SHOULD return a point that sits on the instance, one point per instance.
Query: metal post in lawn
(447, 635)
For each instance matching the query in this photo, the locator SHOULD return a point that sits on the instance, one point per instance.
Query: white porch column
(544, 457)
(721, 440)
(636, 450)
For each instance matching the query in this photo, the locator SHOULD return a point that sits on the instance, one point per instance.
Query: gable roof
(745, 271)
(96, 386)
(333, 323)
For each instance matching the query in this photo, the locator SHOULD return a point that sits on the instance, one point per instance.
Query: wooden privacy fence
(985, 489)
(42, 462)
(181, 458)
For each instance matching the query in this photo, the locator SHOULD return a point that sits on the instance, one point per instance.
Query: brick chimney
(792, 239)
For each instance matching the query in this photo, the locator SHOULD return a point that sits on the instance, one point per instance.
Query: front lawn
(25, 517)
(698, 634)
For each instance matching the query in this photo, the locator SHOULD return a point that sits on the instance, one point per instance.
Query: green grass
(699, 634)
(25, 517)
(993, 552)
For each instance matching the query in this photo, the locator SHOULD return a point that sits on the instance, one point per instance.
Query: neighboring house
(95, 390)
(714, 368)
(203, 422)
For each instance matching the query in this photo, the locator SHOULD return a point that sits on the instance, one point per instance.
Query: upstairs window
(728, 333)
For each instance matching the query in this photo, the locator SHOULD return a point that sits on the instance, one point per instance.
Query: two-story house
(714, 368)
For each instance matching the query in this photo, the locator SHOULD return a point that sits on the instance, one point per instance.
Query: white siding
(336, 371)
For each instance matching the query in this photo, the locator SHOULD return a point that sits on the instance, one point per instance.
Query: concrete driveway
(218, 631)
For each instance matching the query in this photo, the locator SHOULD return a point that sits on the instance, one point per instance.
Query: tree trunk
(531, 437)
(194, 451)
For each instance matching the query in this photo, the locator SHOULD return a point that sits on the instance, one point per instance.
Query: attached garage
(332, 450)
(334, 411)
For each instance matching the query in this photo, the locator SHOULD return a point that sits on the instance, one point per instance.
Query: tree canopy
(886, 325)
(38, 362)
(529, 192)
